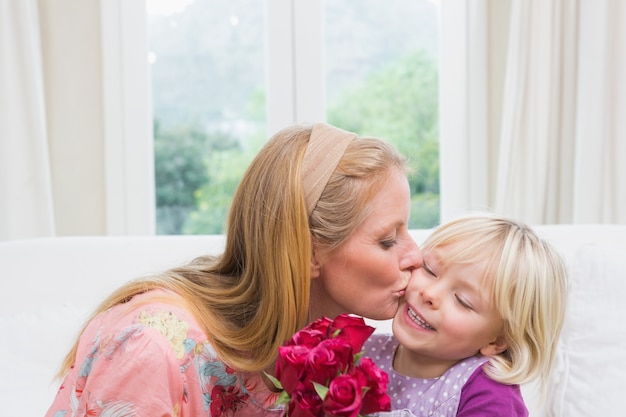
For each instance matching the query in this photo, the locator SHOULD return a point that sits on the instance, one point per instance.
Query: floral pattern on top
(149, 357)
(170, 326)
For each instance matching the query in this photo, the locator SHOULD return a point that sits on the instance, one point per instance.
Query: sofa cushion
(594, 335)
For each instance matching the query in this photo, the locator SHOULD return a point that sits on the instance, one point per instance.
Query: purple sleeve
(484, 397)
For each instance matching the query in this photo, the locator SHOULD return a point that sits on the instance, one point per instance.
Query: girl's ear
(494, 348)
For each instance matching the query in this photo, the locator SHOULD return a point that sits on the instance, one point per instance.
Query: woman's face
(368, 273)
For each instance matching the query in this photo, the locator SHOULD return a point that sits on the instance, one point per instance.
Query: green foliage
(180, 170)
(424, 211)
(225, 169)
(209, 99)
(197, 172)
(400, 104)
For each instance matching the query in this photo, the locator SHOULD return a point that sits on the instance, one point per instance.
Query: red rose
(352, 329)
(322, 373)
(305, 403)
(373, 402)
(375, 380)
(322, 324)
(344, 397)
(327, 360)
(290, 365)
(344, 320)
(307, 337)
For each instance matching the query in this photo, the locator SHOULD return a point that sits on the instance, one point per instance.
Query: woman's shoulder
(164, 315)
(158, 315)
(167, 313)
(153, 343)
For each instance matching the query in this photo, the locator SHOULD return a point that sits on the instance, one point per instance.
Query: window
(381, 77)
(227, 73)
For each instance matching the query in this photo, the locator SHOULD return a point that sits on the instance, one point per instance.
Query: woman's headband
(323, 153)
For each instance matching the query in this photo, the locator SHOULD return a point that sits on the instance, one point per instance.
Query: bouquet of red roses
(322, 373)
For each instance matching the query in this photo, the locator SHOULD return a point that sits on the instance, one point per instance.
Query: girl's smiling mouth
(418, 320)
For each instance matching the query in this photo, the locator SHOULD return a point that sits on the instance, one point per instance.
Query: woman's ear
(316, 262)
(494, 348)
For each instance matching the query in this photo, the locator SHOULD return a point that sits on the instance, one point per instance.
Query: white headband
(323, 153)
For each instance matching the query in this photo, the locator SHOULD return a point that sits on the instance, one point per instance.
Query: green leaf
(283, 398)
(274, 380)
(321, 390)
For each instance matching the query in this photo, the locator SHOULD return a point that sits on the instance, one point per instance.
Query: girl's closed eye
(429, 270)
(463, 302)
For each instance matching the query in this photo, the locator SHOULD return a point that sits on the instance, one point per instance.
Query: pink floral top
(149, 357)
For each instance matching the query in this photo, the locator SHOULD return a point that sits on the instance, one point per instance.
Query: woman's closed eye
(388, 243)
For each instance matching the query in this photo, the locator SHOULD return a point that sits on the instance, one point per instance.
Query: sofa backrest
(49, 286)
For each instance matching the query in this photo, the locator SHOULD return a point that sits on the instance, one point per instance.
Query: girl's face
(369, 272)
(447, 315)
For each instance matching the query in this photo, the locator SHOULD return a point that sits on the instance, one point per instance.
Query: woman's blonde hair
(529, 289)
(254, 296)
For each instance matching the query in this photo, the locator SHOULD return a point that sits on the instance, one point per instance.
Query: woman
(317, 227)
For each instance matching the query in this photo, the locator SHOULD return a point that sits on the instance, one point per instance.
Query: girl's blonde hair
(255, 295)
(529, 289)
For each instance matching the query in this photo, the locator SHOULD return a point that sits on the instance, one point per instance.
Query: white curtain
(26, 204)
(75, 122)
(563, 121)
(600, 173)
(553, 96)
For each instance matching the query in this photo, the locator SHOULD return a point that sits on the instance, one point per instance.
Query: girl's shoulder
(482, 396)
(379, 341)
(381, 348)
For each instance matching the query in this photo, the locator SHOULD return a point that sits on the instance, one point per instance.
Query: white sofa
(48, 286)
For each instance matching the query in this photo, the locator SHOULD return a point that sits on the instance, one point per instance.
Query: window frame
(127, 119)
(296, 93)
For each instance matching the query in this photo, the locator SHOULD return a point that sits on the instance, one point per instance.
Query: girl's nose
(430, 296)
(422, 288)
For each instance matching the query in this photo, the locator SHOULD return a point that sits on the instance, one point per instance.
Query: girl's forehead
(482, 261)
(458, 252)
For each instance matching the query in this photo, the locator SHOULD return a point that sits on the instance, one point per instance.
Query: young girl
(482, 316)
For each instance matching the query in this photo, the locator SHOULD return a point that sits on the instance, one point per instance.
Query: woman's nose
(413, 256)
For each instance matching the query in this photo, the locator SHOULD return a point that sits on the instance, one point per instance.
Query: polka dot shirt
(431, 397)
